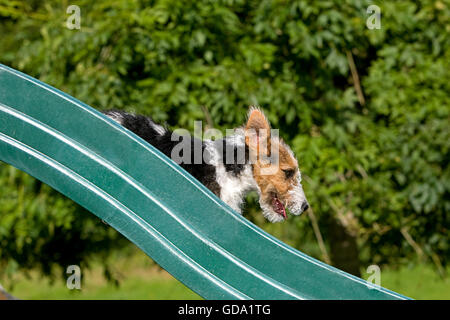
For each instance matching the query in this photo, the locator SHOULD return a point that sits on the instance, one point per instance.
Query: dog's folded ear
(257, 132)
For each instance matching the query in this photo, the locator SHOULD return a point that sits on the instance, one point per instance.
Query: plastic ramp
(153, 202)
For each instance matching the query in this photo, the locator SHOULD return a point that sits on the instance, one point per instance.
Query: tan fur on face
(270, 157)
(277, 182)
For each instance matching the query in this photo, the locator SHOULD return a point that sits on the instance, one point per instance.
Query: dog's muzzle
(297, 202)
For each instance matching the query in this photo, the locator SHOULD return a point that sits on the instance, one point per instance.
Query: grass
(418, 282)
(140, 278)
(132, 288)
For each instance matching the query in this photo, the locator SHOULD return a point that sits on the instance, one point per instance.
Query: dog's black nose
(305, 206)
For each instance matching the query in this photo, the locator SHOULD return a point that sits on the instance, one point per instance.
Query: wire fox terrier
(252, 158)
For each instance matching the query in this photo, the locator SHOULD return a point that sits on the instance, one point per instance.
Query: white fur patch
(296, 199)
(232, 188)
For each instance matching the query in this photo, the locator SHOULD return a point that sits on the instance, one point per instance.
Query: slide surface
(153, 202)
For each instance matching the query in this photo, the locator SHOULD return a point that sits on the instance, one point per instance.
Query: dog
(234, 165)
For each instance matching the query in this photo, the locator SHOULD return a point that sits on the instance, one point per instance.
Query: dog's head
(275, 169)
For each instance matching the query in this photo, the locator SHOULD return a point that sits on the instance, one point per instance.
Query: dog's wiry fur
(227, 170)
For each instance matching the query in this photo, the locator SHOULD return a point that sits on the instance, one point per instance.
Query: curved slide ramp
(153, 202)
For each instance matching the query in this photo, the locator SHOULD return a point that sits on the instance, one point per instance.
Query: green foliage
(379, 167)
(41, 229)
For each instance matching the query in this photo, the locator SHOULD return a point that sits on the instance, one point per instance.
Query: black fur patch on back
(145, 128)
(234, 157)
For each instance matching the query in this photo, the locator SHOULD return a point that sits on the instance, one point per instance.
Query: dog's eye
(289, 173)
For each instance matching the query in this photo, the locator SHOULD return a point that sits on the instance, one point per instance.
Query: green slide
(155, 203)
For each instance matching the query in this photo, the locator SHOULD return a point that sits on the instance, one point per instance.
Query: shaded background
(366, 112)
